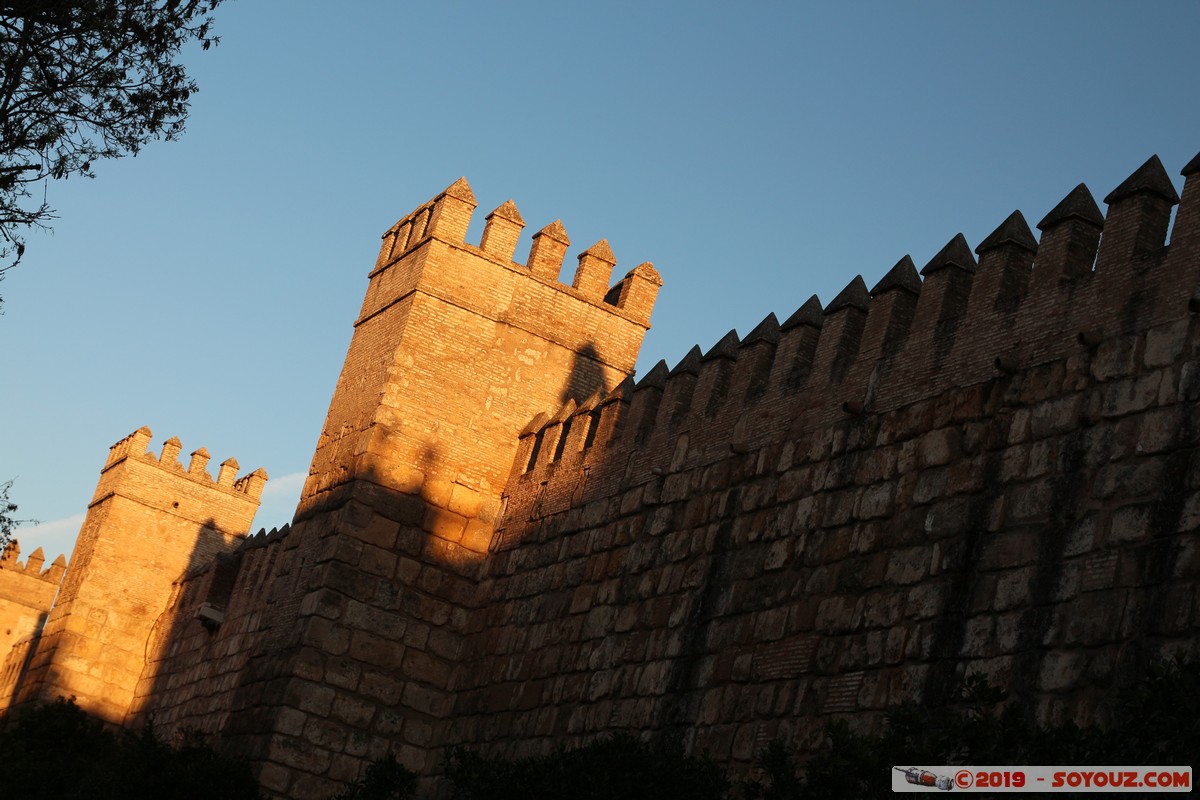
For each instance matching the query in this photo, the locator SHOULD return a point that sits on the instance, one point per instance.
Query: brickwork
(989, 465)
(26, 594)
(149, 520)
(455, 349)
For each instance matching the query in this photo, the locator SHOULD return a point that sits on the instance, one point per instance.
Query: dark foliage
(84, 80)
(386, 779)
(608, 769)
(1157, 722)
(8, 523)
(56, 751)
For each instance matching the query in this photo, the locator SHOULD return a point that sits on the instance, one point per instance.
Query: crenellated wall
(26, 594)
(988, 465)
(455, 348)
(990, 470)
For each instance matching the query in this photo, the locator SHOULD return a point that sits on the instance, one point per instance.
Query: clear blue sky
(757, 153)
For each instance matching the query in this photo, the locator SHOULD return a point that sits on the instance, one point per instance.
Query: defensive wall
(505, 542)
(27, 592)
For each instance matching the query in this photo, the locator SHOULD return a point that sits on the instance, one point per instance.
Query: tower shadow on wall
(586, 377)
(17, 663)
(200, 601)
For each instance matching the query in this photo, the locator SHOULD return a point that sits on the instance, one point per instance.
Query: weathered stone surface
(504, 541)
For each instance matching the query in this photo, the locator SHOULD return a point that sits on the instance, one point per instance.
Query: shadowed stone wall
(987, 466)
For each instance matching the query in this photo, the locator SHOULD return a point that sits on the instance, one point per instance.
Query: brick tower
(458, 346)
(149, 521)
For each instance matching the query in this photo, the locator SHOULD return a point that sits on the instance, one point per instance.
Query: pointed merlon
(810, 314)
(1078, 204)
(656, 378)
(56, 569)
(765, 331)
(689, 363)
(590, 403)
(956, 253)
(35, 561)
(508, 210)
(601, 251)
(1014, 231)
(646, 271)
(903, 276)
(1150, 177)
(727, 347)
(555, 231)
(535, 424)
(1192, 167)
(228, 472)
(460, 190)
(855, 295)
(564, 413)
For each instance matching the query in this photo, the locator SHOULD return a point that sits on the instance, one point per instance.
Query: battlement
(134, 446)
(447, 216)
(150, 521)
(956, 322)
(983, 462)
(456, 345)
(32, 566)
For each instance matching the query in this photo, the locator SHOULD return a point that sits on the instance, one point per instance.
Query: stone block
(443, 524)
(381, 686)
(1030, 501)
(977, 637)
(422, 667)
(876, 501)
(1128, 479)
(1056, 416)
(908, 565)
(343, 673)
(1115, 358)
(838, 509)
(939, 447)
(1130, 523)
(290, 721)
(1130, 395)
(1001, 551)
(274, 777)
(923, 601)
(1060, 670)
(931, 485)
(425, 699)
(326, 636)
(1165, 344)
(327, 735)
(376, 561)
(1159, 429)
(1014, 588)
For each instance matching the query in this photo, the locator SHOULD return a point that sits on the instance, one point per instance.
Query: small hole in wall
(175, 504)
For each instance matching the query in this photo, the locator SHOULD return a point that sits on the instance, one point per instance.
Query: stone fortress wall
(27, 593)
(506, 542)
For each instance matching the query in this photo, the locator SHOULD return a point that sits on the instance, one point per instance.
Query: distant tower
(150, 520)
